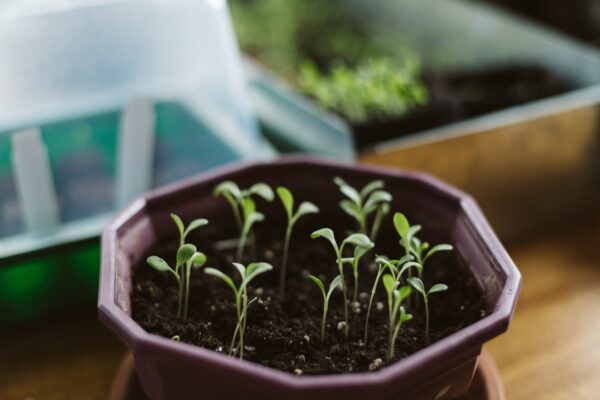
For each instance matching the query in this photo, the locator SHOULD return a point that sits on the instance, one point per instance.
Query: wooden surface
(552, 349)
(551, 352)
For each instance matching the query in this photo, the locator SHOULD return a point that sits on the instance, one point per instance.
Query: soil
(458, 96)
(284, 333)
(578, 18)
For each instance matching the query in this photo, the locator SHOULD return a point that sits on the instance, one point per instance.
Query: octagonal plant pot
(174, 370)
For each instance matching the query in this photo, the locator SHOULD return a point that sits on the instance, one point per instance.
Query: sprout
(335, 283)
(397, 314)
(287, 199)
(359, 252)
(359, 205)
(423, 252)
(183, 230)
(244, 208)
(392, 267)
(190, 258)
(358, 240)
(420, 287)
(241, 298)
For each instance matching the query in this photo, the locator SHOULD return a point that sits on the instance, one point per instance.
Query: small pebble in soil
(298, 371)
(482, 313)
(268, 254)
(379, 306)
(375, 365)
(356, 307)
(259, 291)
(363, 297)
(220, 349)
(175, 338)
(306, 338)
(249, 348)
(341, 325)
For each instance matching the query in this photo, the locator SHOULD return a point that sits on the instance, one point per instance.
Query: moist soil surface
(283, 333)
(455, 97)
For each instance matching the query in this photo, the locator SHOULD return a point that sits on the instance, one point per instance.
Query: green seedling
(397, 313)
(374, 89)
(392, 266)
(356, 239)
(422, 252)
(335, 283)
(359, 252)
(187, 258)
(359, 205)
(244, 207)
(185, 231)
(287, 199)
(420, 287)
(241, 299)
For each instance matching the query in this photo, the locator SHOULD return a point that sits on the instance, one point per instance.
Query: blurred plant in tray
(323, 48)
(376, 89)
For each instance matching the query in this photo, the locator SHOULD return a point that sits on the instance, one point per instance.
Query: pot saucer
(487, 383)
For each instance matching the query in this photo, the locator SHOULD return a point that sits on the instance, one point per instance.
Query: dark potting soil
(579, 18)
(456, 97)
(284, 333)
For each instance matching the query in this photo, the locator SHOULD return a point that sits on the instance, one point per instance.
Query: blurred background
(103, 100)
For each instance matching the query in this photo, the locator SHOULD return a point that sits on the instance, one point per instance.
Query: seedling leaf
(304, 209)
(195, 224)
(184, 253)
(263, 190)
(221, 275)
(228, 187)
(199, 260)
(158, 264)
(371, 187)
(440, 287)
(287, 199)
(319, 283)
(417, 284)
(401, 224)
(389, 283)
(179, 224)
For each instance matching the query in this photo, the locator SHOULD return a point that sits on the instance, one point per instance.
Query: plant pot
(173, 370)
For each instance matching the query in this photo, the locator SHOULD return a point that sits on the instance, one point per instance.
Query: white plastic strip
(135, 156)
(35, 185)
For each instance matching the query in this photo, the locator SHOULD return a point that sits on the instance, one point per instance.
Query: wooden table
(551, 352)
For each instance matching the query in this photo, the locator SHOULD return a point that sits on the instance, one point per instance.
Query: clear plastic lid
(69, 70)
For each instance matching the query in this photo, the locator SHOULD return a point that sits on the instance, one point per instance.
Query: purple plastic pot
(172, 370)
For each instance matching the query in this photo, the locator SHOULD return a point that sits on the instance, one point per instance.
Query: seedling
(241, 299)
(335, 283)
(397, 313)
(188, 258)
(359, 205)
(244, 207)
(359, 252)
(185, 231)
(356, 239)
(393, 267)
(287, 199)
(423, 252)
(376, 88)
(420, 287)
